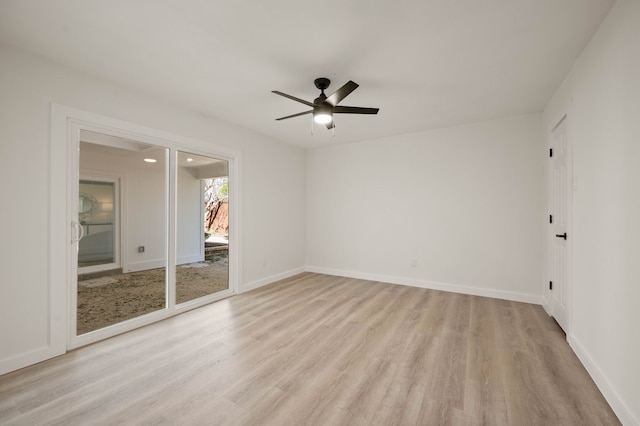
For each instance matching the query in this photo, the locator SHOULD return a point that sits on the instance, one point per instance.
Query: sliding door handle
(79, 231)
(562, 235)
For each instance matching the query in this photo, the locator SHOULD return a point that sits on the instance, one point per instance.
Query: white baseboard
(159, 263)
(193, 258)
(26, 359)
(271, 279)
(143, 266)
(624, 413)
(432, 285)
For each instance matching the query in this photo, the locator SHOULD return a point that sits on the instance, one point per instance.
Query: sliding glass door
(122, 216)
(150, 235)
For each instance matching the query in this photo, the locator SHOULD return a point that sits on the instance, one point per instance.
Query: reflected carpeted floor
(108, 300)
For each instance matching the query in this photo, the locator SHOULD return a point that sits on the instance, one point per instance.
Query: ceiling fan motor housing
(322, 83)
(321, 107)
(320, 99)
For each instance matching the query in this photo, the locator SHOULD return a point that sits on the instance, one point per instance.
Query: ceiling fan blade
(294, 115)
(342, 93)
(330, 125)
(302, 101)
(354, 110)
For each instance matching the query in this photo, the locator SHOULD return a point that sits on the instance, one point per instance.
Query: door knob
(562, 235)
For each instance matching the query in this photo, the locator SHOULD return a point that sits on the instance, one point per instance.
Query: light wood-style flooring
(320, 350)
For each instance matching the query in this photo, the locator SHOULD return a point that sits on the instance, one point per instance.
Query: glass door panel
(202, 240)
(122, 256)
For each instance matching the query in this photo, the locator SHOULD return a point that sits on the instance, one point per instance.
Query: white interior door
(560, 219)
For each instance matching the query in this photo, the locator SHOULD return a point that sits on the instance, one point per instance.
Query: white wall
(603, 95)
(272, 242)
(190, 220)
(466, 202)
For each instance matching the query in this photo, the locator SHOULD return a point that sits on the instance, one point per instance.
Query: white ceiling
(424, 63)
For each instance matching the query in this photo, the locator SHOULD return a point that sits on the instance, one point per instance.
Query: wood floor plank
(320, 350)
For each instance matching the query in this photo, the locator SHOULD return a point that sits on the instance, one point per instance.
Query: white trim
(202, 238)
(26, 359)
(271, 279)
(235, 221)
(149, 318)
(119, 328)
(204, 300)
(73, 178)
(171, 218)
(622, 410)
(432, 285)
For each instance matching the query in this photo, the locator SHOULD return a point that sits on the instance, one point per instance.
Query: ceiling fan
(325, 106)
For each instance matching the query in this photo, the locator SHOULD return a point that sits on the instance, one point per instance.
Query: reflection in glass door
(97, 214)
(122, 256)
(202, 240)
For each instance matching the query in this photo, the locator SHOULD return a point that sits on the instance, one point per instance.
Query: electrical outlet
(140, 249)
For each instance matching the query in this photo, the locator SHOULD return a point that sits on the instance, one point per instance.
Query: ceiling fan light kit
(322, 118)
(325, 106)
(322, 114)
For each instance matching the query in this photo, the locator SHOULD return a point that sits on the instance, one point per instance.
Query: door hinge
(550, 218)
(550, 285)
(550, 152)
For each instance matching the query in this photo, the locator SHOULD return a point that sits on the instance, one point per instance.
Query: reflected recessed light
(189, 160)
(150, 160)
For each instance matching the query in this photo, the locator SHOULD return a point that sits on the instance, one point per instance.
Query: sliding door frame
(66, 124)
